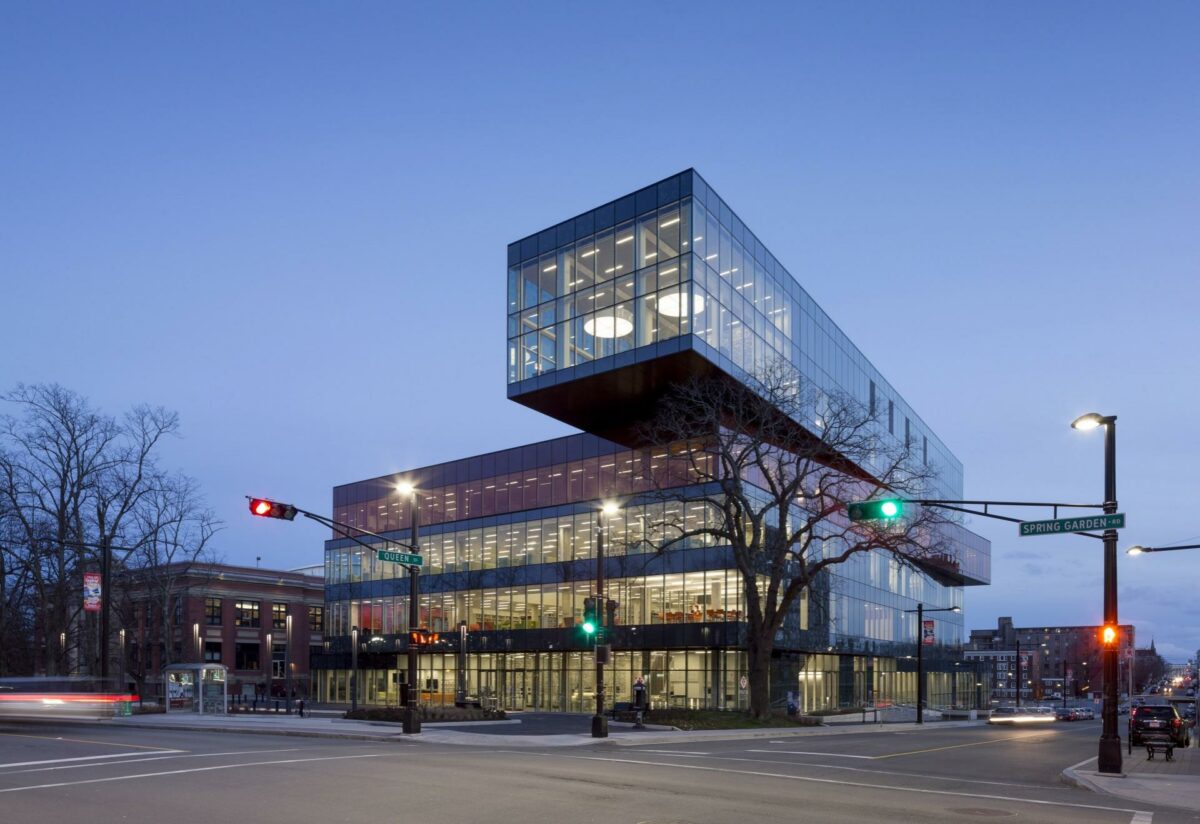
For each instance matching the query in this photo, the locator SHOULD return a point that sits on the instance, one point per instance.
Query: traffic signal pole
(1109, 760)
(412, 718)
(599, 722)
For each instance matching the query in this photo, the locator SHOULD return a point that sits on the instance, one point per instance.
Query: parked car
(1066, 714)
(1157, 719)
(1085, 713)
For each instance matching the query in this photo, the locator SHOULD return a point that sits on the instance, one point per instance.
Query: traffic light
(1109, 636)
(884, 509)
(591, 620)
(270, 509)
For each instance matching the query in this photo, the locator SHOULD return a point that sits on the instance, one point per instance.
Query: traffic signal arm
(884, 509)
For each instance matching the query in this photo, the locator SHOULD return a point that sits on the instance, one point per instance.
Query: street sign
(401, 558)
(1064, 526)
(743, 682)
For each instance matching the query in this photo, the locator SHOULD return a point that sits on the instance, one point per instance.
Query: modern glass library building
(605, 310)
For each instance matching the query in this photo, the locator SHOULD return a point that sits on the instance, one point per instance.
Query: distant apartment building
(232, 615)
(1052, 660)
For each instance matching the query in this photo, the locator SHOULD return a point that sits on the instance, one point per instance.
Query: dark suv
(1156, 720)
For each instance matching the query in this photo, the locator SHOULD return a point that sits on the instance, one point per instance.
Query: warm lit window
(316, 619)
(246, 614)
(279, 616)
(212, 612)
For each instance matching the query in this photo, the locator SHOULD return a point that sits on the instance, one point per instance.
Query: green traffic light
(588, 627)
(887, 509)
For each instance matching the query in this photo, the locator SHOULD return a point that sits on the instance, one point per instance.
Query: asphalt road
(61, 772)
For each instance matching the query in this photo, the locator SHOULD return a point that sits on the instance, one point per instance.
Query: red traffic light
(270, 509)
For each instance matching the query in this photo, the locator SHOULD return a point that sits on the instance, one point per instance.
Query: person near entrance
(639, 702)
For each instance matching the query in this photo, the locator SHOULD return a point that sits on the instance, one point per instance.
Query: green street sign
(401, 558)
(1063, 526)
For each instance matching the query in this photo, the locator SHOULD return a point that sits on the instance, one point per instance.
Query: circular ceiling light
(671, 304)
(617, 325)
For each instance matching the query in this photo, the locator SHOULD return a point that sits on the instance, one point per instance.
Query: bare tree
(776, 467)
(176, 545)
(72, 478)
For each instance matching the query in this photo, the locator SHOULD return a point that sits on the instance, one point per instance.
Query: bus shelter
(197, 688)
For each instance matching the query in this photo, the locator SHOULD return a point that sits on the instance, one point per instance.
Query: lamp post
(599, 722)
(1142, 550)
(412, 720)
(1109, 760)
(920, 610)
(353, 669)
(287, 664)
(268, 673)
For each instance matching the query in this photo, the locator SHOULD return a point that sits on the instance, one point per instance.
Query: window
(907, 433)
(891, 417)
(316, 619)
(925, 450)
(212, 651)
(872, 407)
(278, 616)
(246, 615)
(278, 656)
(246, 657)
(177, 611)
(212, 612)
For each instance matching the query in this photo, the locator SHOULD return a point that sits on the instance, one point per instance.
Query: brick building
(231, 615)
(1052, 659)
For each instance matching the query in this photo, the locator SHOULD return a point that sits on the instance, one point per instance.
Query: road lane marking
(147, 757)
(1054, 788)
(958, 746)
(814, 780)
(65, 760)
(192, 770)
(803, 752)
(677, 752)
(88, 741)
(1142, 818)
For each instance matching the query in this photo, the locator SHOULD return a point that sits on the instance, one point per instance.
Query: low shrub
(395, 715)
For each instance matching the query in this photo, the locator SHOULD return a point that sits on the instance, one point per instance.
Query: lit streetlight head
(956, 609)
(1135, 550)
(610, 508)
(405, 488)
(1089, 421)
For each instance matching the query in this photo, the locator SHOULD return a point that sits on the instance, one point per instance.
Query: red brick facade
(225, 614)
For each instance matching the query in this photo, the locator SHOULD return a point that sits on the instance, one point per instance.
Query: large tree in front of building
(776, 464)
(73, 478)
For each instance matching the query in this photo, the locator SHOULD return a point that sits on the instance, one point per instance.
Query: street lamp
(354, 669)
(599, 722)
(920, 610)
(1142, 550)
(287, 664)
(412, 720)
(1109, 760)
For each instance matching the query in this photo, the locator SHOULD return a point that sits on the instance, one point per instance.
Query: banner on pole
(91, 592)
(927, 636)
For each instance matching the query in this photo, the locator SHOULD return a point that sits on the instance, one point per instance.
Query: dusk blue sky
(288, 223)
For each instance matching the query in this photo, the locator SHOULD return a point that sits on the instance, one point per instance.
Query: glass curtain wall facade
(509, 538)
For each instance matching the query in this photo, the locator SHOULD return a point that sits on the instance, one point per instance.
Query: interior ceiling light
(672, 304)
(617, 325)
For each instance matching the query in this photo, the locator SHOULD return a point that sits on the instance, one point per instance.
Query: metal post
(105, 603)
(412, 718)
(268, 673)
(287, 664)
(599, 722)
(460, 678)
(1109, 760)
(920, 663)
(354, 669)
(1018, 670)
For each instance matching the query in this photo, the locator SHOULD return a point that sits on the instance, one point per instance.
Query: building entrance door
(515, 694)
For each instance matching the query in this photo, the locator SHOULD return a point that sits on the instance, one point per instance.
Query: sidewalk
(483, 733)
(1168, 783)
